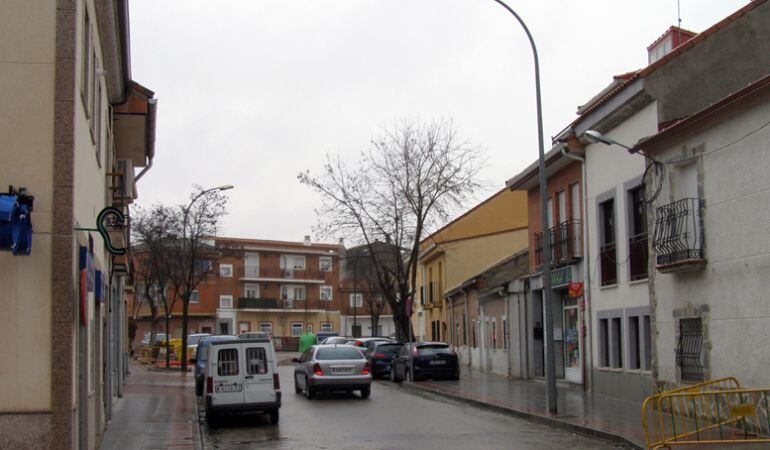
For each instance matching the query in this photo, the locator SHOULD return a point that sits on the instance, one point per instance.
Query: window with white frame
(357, 300)
(226, 270)
(252, 291)
(296, 329)
(266, 327)
(326, 327)
(292, 262)
(325, 263)
(292, 292)
(225, 301)
(195, 296)
(310, 328)
(326, 293)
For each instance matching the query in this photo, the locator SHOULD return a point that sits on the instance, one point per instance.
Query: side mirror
(295, 360)
(193, 360)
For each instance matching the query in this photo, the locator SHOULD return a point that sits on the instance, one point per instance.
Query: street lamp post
(550, 369)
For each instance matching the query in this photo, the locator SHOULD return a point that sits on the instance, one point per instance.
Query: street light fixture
(550, 368)
(595, 136)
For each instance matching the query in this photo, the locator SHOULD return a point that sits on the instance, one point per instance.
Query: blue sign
(15, 223)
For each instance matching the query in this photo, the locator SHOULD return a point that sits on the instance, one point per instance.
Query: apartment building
(73, 127)
(364, 310)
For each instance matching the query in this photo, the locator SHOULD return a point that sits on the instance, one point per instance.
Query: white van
(242, 376)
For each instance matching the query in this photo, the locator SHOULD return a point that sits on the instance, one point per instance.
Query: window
(616, 342)
(688, 353)
(356, 300)
(549, 211)
(296, 329)
(326, 293)
(325, 263)
(637, 242)
(574, 199)
(299, 292)
(561, 196)
(256, 361)
(310, 328)
(289, 292)
(326, 327)
(195, 297)
(251, 265)
(86, 72)
(244, 327)
(226, 270)
(227, 362)
(225, 301)
(634, 350)
(252, 291)
(266, 327)
(292, 262)
(604, 343)
(493, 331)
(607, 249)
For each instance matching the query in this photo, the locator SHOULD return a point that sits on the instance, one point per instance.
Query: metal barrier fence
(718, 412)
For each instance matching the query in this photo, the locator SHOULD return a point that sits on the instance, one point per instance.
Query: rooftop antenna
(679, 20)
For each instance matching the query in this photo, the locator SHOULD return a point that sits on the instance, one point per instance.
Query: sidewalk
(594, 414)
(157, 411)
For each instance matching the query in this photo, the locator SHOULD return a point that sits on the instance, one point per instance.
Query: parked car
(199, 360)
(192, 343)
(431, 360)
(335, 340)
(254, 335)
(242, 376)
(332, 368)
(363, 341)
(380, 355)
(159, 338)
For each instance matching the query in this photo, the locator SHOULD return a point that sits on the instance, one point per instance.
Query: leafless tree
(411, 179)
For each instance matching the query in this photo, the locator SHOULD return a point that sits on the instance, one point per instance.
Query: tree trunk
(401, 320)
(375, 324)
(185, 311)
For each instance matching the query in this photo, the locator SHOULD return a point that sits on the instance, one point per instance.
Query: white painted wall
(735, 283)
(386, 324)
(607, 169)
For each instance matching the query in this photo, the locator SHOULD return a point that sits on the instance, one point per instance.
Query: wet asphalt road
(392, 418)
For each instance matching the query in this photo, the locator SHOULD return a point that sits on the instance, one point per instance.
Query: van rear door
(228, 374)
(258, 379)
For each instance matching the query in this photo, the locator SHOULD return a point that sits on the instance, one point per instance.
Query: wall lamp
(595, 136)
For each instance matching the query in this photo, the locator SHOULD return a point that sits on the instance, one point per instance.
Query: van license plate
(229, 388)
(438, 362)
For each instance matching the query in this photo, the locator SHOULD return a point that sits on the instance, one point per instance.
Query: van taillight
(367, 369)
(209, 385)
(378, 356)
(276, 382)
(317, 369)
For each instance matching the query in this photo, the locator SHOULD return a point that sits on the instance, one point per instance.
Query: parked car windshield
(338, 353)
(434, 349)
(388, 348)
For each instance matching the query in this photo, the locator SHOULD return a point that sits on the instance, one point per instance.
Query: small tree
(412, 178)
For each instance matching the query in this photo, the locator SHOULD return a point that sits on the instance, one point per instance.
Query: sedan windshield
(338, 353)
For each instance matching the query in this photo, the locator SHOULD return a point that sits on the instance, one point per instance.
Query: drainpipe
(588, 347)
(465, 329)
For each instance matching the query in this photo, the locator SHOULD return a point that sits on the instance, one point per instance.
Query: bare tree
(412, 178)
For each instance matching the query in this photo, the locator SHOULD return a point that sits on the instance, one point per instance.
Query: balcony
(285, 304)
(257, 274)
(678, 239)
(566, 241)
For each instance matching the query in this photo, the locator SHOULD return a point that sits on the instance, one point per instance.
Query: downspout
(588, 347)
(465, 328)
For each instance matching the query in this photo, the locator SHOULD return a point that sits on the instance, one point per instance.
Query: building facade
(74, 126)
(709, 247)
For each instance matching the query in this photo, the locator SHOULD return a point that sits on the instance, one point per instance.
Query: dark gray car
(332, 368)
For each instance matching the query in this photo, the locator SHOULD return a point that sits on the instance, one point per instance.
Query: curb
(552, 421)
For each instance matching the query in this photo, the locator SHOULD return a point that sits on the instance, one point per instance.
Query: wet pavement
(392, 418)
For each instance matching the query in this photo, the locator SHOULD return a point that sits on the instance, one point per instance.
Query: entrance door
(572, 342)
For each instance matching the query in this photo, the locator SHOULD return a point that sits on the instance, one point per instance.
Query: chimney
(671, 39)
(307, 241)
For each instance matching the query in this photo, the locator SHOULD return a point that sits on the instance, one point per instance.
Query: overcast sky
(252, 92)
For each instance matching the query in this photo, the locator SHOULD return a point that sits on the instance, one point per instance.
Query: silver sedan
(332, 368)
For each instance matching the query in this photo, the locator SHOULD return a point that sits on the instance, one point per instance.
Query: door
(258, 379)
(228, 377)
(251, 264)
(573, 368)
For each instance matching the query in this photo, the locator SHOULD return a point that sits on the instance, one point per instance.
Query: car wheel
(366, 392)
(274, 416)
(308, 390)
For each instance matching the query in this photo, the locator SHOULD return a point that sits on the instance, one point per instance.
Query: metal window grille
(256, 361)
(227, 364)
(688, 355)
(679, 231)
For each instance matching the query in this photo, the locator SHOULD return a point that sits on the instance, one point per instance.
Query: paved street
(392, 418)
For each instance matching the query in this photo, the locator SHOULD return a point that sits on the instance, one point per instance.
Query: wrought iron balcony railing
(278, 303)
(566, 241)
(678, 240)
